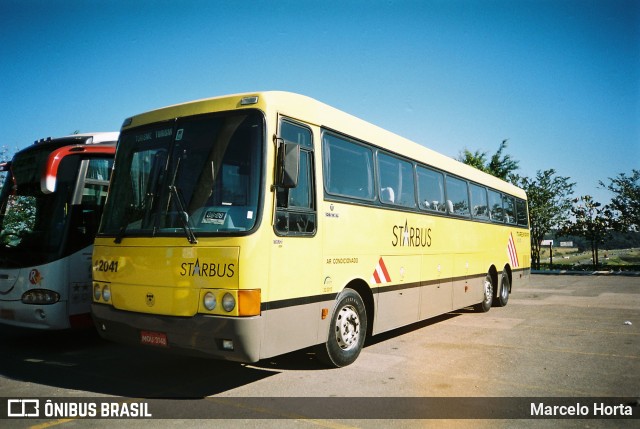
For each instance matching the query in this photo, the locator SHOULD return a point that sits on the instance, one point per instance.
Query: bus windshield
(195, 176)
(32, 224)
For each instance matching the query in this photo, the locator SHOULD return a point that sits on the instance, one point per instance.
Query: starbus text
(197, 269)
(404, 235)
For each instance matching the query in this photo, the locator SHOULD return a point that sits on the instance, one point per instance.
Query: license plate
(153, 338)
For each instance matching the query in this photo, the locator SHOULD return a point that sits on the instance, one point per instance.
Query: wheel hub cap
(347, 328)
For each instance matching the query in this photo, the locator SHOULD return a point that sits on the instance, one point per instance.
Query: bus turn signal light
(249, 302)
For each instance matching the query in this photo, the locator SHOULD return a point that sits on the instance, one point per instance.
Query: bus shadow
(386, 336)
(82, 361)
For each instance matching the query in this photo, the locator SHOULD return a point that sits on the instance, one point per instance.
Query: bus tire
(485, 304)
(347, 331)
(505, 286)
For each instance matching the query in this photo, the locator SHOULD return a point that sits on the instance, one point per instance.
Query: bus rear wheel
(347, 331)
(485, 305)
(505, 286)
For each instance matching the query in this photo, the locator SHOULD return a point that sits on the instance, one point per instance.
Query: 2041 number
(107, 266)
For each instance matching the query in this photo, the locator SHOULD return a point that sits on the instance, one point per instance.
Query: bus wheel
(503, 297)
(485, 305)
(346, 333)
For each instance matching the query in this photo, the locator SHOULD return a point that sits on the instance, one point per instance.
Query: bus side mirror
(288, 164)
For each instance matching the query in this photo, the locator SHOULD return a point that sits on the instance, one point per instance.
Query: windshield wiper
(183, 215)
(123, 228)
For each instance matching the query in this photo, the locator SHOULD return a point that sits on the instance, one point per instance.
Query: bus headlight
(234, 303)
(228, 302)
(40, 297)
(106, 293)
(210, 301)
(97, 291)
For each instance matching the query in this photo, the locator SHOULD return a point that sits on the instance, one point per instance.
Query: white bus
(50, 209)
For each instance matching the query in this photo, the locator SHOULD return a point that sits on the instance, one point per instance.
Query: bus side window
(479, 204)
(295, 207)
(395, 177)
(510, 209)
(348, 168)
(457, 197)
(495, 205)
(430, 190)
(521, 212)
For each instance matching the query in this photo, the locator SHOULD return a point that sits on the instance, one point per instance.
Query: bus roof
(49, 143)
(99, 137)
(55, 149)
(309, 110)
(83, 138)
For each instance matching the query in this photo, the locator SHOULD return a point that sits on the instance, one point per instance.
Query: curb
(587, 273)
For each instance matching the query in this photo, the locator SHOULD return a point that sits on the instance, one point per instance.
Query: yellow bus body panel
(164, 280)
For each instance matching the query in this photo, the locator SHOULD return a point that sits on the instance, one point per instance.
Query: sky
(559, 79)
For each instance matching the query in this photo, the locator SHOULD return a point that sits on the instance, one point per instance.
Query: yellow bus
(247, 226)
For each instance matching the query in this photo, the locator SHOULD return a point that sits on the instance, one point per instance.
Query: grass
(572, 259)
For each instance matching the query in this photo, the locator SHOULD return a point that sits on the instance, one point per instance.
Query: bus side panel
(294, 327)
(80, 288)
(522, 275)
(467, 288)
(436, 295)
(291, 317)
(399, 304)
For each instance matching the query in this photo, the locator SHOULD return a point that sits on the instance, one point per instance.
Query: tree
(591, 221)
(4, 157)
(19, 216)
(626, 203)
(501, 166)
(549, 204)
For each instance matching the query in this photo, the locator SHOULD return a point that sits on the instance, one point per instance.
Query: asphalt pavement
(563, 341)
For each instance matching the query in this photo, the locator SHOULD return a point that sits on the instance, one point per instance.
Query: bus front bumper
(227, 338)
(18, 314)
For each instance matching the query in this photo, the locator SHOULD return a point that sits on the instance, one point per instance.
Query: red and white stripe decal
(50, 173)
(380, 274)
(513, 254)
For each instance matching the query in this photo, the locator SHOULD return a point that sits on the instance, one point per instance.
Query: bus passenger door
(86, 210)
(290, 321)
